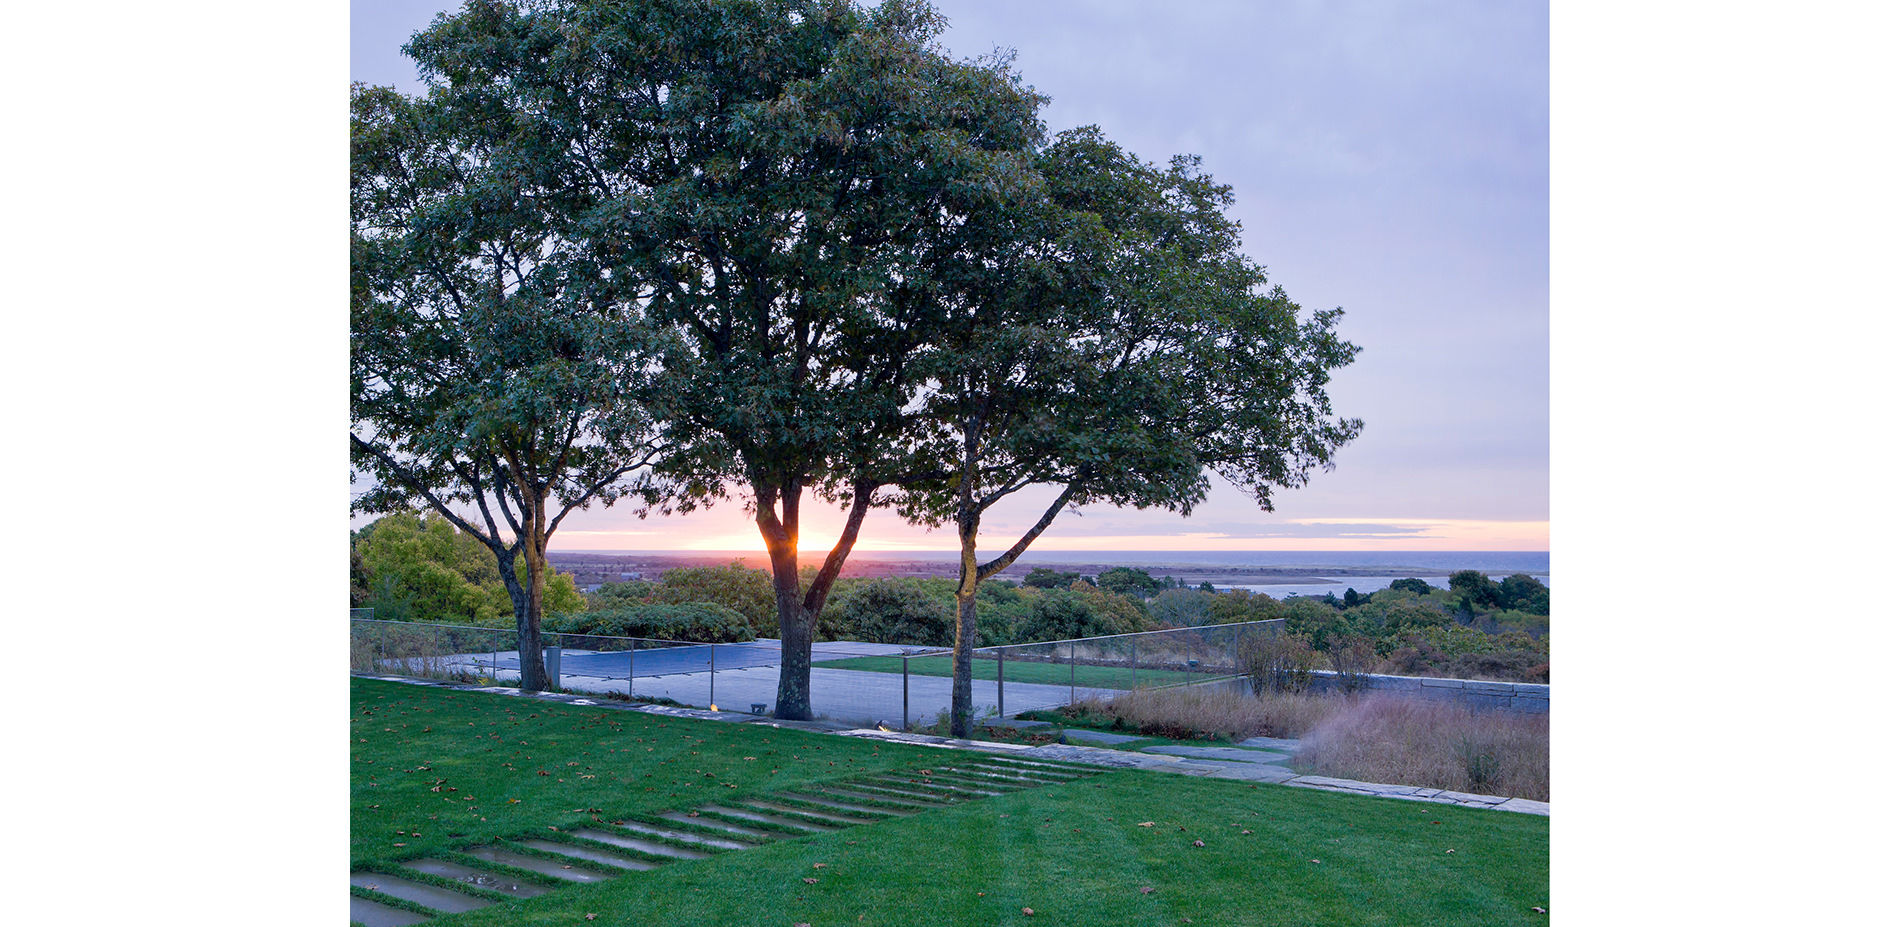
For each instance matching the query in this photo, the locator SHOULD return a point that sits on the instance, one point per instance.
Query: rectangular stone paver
(371, 914)
(429, 896)
(535, 864)
(477, 877)
(593, 856)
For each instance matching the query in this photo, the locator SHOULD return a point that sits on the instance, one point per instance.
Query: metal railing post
(906, 724)
(999, 684)
(712, 661)
(1132, 682)
(1071, 673)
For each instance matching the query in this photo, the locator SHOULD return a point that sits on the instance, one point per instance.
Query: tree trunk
(530, 625)
(962, 706)
(798, 614)
(534, 677)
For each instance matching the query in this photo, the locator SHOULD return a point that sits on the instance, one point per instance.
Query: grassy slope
(1075, 852)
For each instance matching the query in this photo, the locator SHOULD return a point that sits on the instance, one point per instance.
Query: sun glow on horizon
(1423, 534)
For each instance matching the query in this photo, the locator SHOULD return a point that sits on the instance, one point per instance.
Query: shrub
(699, 622)
(1279, 663)
(893, 611)
(1065, 615)
(1352, 657)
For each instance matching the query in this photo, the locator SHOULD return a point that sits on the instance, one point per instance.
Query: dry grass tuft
(1410, 742)
(1203, 712)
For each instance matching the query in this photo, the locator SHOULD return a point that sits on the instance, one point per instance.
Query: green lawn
(435, 771)
(1055, 674)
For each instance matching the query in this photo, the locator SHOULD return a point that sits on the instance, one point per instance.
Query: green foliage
(1474, 590)
(1241, 605)
(1046, 578)
(734, 586)
(418, 567)
(1129, 581)
(1523, 592)
(1412, 584)
(1180, 608)
(899, 610)
(1066, 614)
(701, 622)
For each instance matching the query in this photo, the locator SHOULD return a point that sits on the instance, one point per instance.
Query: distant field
(1053, 674)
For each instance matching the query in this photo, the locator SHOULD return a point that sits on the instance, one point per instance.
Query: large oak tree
(780, 181)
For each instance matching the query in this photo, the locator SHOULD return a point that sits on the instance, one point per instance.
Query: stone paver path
(485, 874)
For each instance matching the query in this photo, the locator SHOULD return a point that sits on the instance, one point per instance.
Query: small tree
(492, 377)
(1112, 342)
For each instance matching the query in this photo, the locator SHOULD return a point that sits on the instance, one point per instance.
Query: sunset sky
(1388, 159)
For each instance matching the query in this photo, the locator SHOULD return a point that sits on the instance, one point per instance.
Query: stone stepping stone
(787, 809)
(875, 793)
(993, 780)
(847, 807)
(959, 786)
(649, 847)
(811, 826)
(1057, 773)
(908, 790)
(853, 794)
(428, 896)
(546, 867)
(713, 842)
(1100, 737)
(475, 877)
(681, 817)
(370, 914)
(1021, 775)
(591, 855)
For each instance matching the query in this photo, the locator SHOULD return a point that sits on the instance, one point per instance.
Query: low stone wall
(1507, 696)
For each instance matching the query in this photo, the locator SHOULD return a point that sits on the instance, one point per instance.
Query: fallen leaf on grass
(1451, 851)
(1146, 824)
(1147, 889)
(1246, 832)
(819, 865)
(1539, 910)
(1028, 911)
(1196, 843)
(809, 881)
(592, 916)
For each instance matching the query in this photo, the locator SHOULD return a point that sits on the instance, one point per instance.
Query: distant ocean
(1373, 569)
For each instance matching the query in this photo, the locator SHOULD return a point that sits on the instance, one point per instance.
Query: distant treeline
(419, 568)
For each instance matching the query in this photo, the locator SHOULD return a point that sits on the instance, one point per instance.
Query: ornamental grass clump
(1436, 745)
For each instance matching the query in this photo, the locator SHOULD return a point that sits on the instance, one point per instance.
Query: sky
(1390, 159)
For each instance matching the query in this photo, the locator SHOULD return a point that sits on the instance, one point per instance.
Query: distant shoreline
(591, 567)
